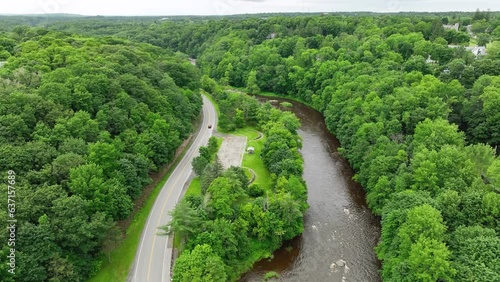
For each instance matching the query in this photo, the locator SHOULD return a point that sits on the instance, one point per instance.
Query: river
(340, 231)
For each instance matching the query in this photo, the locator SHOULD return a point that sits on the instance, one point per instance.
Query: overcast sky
(226, 7)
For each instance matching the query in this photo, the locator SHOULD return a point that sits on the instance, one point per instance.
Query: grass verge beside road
(121, 259)
(194, 189)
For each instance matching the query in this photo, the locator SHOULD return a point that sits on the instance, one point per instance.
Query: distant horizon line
(239, 14)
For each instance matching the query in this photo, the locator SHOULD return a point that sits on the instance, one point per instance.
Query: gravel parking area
(232, 150)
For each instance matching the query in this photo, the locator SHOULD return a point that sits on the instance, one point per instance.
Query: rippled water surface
(340, 231)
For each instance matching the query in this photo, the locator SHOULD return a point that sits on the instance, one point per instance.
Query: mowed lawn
(194, 188)
(253, 161)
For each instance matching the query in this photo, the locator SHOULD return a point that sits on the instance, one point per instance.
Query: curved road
(153, 258)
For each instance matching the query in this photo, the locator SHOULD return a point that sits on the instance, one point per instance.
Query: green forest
(83, 123)
(90, 105)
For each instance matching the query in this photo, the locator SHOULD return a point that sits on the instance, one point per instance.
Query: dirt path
(254, 175)
(260, 136)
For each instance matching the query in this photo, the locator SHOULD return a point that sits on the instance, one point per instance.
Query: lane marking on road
(179, 195)
(170, 192)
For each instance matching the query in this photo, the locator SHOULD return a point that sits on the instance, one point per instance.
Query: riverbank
(268, 94)
(339, 227)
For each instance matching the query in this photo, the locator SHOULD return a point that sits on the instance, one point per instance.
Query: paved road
(153, 258)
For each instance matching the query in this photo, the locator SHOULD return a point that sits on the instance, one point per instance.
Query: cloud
(253, 0)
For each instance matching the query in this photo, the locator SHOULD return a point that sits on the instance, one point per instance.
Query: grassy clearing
(194, 188)
(253, 161)
(248, 131)
(121, 258)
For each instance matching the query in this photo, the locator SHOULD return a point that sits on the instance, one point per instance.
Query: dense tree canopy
(418, 121)
(83, 121)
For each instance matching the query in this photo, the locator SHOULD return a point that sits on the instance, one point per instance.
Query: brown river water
(340, 231)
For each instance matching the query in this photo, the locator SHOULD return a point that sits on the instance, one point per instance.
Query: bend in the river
(340, 231)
